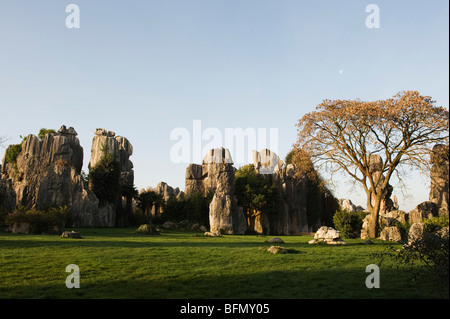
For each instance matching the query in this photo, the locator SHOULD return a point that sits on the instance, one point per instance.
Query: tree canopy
(254, 192)
(343, 135)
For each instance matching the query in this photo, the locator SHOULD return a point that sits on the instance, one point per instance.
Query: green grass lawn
(118, 263)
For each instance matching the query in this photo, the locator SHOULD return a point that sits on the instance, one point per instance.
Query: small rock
(275, 240)
(277, 250)
(391, 233)
(147, 229)
(443, 232)
(328, 235)
(71, 234)
(211, 234)
(415, 232)
(169, 224)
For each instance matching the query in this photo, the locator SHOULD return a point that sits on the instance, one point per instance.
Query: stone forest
(45, 172)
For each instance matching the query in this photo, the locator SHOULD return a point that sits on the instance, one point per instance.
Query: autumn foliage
(342, 135)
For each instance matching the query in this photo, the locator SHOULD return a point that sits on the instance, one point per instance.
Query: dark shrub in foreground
(34, 221)
(349, 223)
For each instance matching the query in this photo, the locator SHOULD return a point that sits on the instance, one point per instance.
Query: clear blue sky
(144, 68)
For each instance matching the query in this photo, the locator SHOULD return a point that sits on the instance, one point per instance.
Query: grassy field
(118, 263)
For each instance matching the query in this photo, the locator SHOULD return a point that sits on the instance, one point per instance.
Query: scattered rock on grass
(71, 234)
(212, 234)
(275, 240)
(277, 250)
(328, 235)
(147, 229)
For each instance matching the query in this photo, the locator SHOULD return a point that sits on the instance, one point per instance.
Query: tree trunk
(374, 212)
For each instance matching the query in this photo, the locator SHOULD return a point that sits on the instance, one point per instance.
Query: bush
(254, 192)
(44, 131)
(194, 208)
(104, 178)
(349, 223)
(428, 257)
(51, 220)
(435, 223)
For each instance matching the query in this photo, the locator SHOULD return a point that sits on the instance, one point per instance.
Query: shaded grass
(118, 263)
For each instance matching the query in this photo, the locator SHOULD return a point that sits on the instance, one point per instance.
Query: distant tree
(320, 202)
(254, 192)
(342, 135)
(289, 156)
(104, 178)
(146, 201)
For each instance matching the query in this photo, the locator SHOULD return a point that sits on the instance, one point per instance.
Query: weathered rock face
(387, 204)
(347, 205)
(266, 161)
(440, 177)
(115, 213)
(48, 173)
(385, 219)
(7, 196)
(168, 192)
(437, 205)
(391, 233)
(376, 164)
(194, 179)
(415, 232)
(328, 235)
(216, 175)
(424, 210)
(290, 217)
(116, 145)
(225, 216)
(206, 177)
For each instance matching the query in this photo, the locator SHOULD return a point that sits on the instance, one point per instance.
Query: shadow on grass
(161, 242)
(311, 284)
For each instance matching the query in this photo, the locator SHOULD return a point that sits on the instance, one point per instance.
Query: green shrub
(51, 220)
(44, 131)
(349, 223)
(254, 192)
(12, 152)
(435, 223)
(104, 178)
(428, 259)
(194, 208)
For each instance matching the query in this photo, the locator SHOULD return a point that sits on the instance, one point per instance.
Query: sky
(148, 70)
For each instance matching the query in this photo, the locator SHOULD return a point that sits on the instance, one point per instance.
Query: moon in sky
(341, 71)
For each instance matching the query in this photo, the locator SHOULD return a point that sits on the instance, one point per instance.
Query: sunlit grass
(118, 263)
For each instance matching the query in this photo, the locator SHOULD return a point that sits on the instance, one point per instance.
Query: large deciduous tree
(343, 135)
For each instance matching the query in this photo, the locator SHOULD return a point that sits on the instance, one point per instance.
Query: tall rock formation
(439, 187)
(7, 196)
(266, 162)
(387, 204)
(114, 213)
(216, 175)
(290, 217)
(440, 177)
(438, 198)
(47, 173)
(375, 168)
(205, 178)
